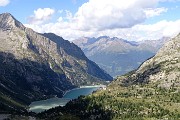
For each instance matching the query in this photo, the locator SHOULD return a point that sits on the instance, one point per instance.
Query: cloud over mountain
(41, 15)
(124, 19)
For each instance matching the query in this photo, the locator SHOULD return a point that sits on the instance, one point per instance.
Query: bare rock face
(37, 66)
(163, 69)
(168, 61)
(7, 22)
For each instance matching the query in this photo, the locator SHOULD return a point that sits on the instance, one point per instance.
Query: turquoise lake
(39, 106)
(72, 94)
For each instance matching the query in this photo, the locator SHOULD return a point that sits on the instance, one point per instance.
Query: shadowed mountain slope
(36, 66)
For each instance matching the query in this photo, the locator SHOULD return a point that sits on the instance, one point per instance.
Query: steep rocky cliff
(35, 66)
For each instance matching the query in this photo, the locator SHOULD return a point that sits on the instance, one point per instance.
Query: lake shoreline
(88, 86)
(38, 106)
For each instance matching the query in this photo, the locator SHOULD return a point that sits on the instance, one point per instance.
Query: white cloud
(120, 18)
(151, 31)
(138, 32)
(41, 15)
(69, 15)
(151, 12)
(172, 28)
(110, 14)
(4, 2)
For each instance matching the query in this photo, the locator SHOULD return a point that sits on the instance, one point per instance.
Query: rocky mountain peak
(7, 22)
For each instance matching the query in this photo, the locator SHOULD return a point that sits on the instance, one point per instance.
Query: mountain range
(118, 56)
(152, 92)
(36, 66)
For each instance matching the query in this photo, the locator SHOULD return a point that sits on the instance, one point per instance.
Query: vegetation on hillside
(135, 102)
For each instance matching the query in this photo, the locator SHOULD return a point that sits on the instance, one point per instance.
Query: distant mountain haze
(36, 66)
(118, 56)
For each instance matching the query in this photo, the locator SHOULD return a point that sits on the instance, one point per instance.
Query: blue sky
(172, 13)
(71, 19)
(22, 9)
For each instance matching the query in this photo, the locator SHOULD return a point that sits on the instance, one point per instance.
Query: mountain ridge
(116, 55)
